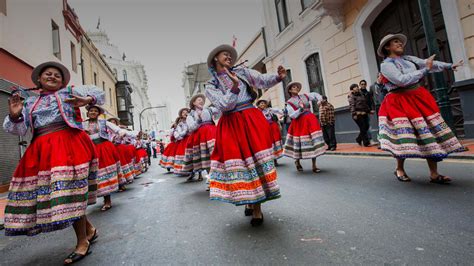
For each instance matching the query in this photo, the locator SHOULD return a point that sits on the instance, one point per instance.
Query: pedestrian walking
(271, 115)
(328, 122)
(369, 96)
(110, 172)
(410, 123)
(181, 134)
(242, 167)
(168, 154)
(154, 147)
(202, 136)
(305, 138)
(360, 111)
(56, 178)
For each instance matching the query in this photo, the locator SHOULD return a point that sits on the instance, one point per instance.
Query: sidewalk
(356, 150)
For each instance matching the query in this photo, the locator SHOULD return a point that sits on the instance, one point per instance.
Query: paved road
(354, 212)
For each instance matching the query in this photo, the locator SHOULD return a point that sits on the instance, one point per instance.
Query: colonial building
(134, 73)
(95, 70)
(194, 78)
(329, 44)
(32, 32)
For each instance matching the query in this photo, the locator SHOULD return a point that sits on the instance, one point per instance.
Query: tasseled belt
(240, 107)
(51, 128)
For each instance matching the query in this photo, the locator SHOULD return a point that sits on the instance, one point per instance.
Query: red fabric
(68, 147)
(170, 150)
(131, 153)
(411, 104)
(123, 154)
(304, 125)
(181, 146)
(241, 135)
(201, 136)
(107, 154)
(275, 129)
(141, 153)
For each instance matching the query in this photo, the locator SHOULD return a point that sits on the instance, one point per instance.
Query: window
(73, 57)
(285, 82)
(95, 78)
(110, 97)
(306, 3)
(315, 77)
(3, 7)
(282, 14)
(115, 73)
(125, 75)
(56, 42)
(122, 106)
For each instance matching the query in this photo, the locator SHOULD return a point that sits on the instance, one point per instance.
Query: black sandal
(316, 170)
(105, 208)
(299, 167)
(75, 257)
(440, 179)
(248, 211)
(94, 237)
(403, 178)
(256, 221)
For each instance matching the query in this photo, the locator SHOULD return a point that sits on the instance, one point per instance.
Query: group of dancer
(69, 163)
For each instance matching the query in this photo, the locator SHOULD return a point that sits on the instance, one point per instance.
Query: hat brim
(261, 100)
(181, 110)
(37, 72)
(293, 83)
(191, 101)
(220, 48)
(387, 39)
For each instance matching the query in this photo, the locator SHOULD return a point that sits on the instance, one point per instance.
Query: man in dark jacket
(369, 95)
(360, 110)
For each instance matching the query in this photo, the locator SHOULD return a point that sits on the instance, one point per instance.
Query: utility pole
(148, 108)
(440, 88)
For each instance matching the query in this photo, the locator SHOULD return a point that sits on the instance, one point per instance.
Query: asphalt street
(354, 212)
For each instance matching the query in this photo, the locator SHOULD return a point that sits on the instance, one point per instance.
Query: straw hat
(114, 119)
(220, 48)
(262, 100)
(194, 98)
(387, 39)
(298, 84)
(89, 106)
(37, 72)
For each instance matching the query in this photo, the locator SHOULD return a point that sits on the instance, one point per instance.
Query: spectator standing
(327, 120)
(360, 111)
(369, 96)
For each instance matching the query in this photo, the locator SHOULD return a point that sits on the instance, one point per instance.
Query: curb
(381, 154)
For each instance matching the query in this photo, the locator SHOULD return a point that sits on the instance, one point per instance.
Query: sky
(166, 35)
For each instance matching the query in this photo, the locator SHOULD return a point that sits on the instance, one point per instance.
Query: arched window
(315, 76)
(125, 75)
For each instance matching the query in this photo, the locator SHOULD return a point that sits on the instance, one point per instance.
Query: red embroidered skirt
(199, 149)
(110, 170)
(305, 138)
(242, 167)
(167, 157)
(128, 168)
(410, 125)
(276, 137)
(180, 158)
(52, 184)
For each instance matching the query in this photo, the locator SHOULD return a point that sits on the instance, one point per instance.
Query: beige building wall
(97, 72)
(466, 15)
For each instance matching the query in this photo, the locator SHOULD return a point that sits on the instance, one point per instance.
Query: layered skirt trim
(305, 138)
(53, 183)
(180, 157)
(167, 157)
(128, 169)
(242, 163)
(141, 157)
(276, 137)
(410, 126)
(110, 171)
(199, 149)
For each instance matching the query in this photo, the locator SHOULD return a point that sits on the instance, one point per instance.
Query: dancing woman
(269, 114)
(110, 174)
(126, 162)
(410, 124)
(167, 156)
(202, 136)
(56, 177)
(242, 167)
(305, 138)
(181, 134)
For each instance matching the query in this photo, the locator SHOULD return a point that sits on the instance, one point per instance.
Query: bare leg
(401, 167)
(298, 165)
(257, 210)
(81, 235)
(315, 167)
(108, 201)
(90, 229)
(434, 174)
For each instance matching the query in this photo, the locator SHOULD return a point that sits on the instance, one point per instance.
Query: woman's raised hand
(460, 63)
(79, 101)
(15, 106)
(281, 72)
(429, 62)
